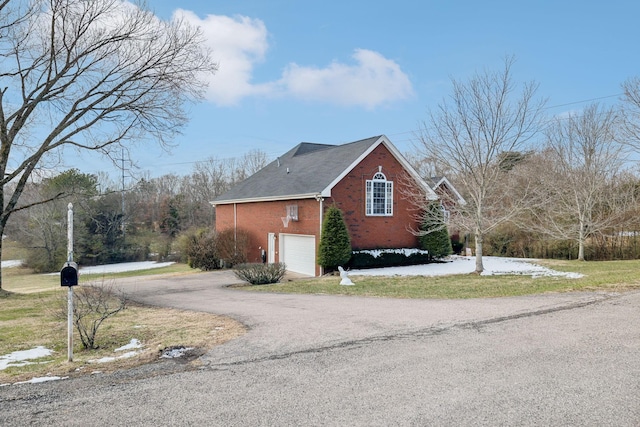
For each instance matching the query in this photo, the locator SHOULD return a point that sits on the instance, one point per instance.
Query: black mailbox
(69, 274)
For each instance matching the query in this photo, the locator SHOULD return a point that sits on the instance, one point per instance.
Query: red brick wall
(260, 219)
(367, 232)
(372, 232)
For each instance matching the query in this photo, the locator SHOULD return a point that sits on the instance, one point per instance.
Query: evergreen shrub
(388, 258)
(435, 237)
(335, 244)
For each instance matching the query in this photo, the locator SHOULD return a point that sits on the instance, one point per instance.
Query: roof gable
(308, 170)
(443, 182)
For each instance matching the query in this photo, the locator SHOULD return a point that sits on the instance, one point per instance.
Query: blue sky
(339, 71)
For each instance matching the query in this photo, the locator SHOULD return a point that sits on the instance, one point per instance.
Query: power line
(414, 131)
(585, 100)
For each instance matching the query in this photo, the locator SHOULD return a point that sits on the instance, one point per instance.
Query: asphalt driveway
(288, 323)
(557, 359)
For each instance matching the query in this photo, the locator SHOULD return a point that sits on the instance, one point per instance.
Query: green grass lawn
(30, 316)
(598, 275)
(22, 280)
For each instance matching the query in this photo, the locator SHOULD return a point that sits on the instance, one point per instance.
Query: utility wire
(272, 155)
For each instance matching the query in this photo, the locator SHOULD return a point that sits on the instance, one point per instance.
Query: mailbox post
(69, 278)
(69, 274)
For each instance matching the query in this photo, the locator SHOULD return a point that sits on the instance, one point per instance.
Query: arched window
(379, 197)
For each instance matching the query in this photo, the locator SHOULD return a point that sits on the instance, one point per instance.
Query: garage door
(298, 252)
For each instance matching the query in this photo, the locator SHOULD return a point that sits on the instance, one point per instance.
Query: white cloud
(239, 43)
(374, 80)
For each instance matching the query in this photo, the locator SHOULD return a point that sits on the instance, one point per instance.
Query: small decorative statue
(345, 278)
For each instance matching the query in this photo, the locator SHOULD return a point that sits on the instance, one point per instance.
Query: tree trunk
(1, 231)
(581, 250)
(479, 266)
(581, 238)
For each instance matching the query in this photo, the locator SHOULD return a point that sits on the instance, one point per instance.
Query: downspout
(235, 228)
(320, 199)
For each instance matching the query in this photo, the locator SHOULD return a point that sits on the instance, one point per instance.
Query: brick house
(447, 193)
(281, 206)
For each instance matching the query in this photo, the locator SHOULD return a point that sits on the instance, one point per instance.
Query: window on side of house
(446, 214)
(379, 197)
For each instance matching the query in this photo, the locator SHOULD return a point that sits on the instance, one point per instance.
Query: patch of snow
(22, 357)
(11, 263)
(41, 380)
(171, 353)
(107, 359)
(128, 354)
(134, 343)
(405, 251)
(123, 266)
(466, 265)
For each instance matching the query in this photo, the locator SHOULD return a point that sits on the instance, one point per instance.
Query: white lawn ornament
(345, 278)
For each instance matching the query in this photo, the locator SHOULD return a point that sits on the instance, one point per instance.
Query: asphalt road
(557, 359)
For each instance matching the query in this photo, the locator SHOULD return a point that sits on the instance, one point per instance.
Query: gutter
(320, 200)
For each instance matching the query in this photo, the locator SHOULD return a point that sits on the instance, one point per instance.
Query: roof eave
(429, 193)
(266, 199)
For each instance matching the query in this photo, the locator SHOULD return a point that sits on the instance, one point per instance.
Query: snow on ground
(123, 266)
(172, 353)
(466, 265)
(11, 263)
(452, 265)
(23, 357)
(41, 380)
(102, 269)
(134, 344)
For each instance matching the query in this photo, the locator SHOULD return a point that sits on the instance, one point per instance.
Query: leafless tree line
(115, 224)
(565, 178)
(88, 75)
(153, 201)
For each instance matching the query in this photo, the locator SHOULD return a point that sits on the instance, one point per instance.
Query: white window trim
(379, 177)
(446, 214)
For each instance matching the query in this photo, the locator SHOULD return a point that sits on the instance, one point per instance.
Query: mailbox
(69, 274)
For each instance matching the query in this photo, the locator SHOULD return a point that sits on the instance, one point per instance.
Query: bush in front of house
(233, 246)
(378, 258)
(335, 244)
(200, 248)
(261, 273)
(434, 235)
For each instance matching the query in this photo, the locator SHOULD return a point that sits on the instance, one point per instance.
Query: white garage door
(298, 252)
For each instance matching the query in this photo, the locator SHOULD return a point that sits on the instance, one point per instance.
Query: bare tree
(467, 135)
(93, 304)
(631, 110)
(581, 176)
(88, 75)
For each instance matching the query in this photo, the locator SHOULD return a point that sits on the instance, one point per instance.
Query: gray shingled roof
(306, 169)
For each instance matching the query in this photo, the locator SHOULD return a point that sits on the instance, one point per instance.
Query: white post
(70, 291)
(70, 232)
(320, 199)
